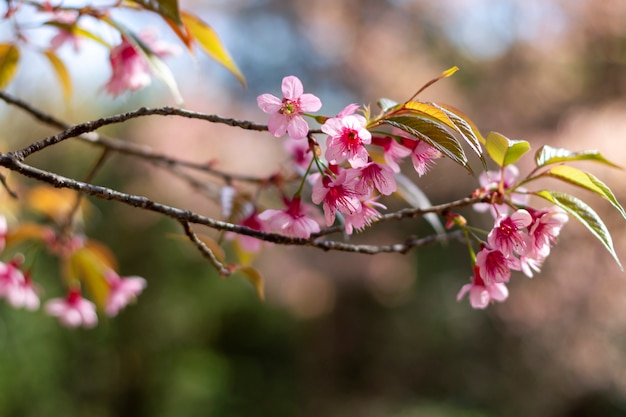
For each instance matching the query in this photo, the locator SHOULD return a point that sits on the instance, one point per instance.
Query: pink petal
(268, 103)
(297, 128)
(292, 87)
(310, 103)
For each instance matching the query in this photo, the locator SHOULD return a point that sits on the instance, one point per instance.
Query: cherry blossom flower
(131, 70)
(248, 243)
(393, 152)
(122, 291)
(490, 181)
(545, 228)
(509, 233)
(295, 220)
(422, 155)
(23, 294)
(73, 310)
(299, 151)
(480, 293)
(347, 137)
(286, 114)
(338, 194)
(530, 264)
(373, 175)
(364, 217)
(494, 266)
(10, 277)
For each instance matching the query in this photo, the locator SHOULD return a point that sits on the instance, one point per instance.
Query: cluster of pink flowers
(351, 182)
(347, 183)
(19, 290)
(518, 242)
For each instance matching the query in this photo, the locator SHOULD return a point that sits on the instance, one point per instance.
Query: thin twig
(10, 161)
(205, 250)
(3, 181)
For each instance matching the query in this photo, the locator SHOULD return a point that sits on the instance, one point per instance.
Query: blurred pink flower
(131, 70)
(286, 114)
(248, 243)
(122, 290)
(481, 294)
(295, 220)
(23, 294)
(10, 277)
(73, 310)
(490, 181)
(64, 35)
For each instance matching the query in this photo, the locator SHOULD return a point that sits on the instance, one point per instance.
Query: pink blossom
(295, 220)
(122, 291)
(422, 155)
(338, 194)
(480, 293)
(373, 175)
(299, 151)
(545, 228)
(131, 70)
(23, 294)
(509, 233)
(364, 217)
(73, 310)
(393, 152)
(490, 181)
(249, 243)
(286, 114)
(11, 277)
(529, 265)
(347, 137)
(494, 266)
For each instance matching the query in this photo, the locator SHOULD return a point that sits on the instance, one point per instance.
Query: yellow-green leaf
(78, 31)
(91, 274)
(255, 278)
(419, 108)
(584, 214)
(9, 59)
(62, 73)
(505, 151)
(211, 44)
(547, 155)
(585, 180)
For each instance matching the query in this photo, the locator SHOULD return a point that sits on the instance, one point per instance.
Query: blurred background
(340, 334)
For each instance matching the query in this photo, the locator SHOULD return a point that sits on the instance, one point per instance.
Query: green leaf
(62, 73)
(547, 155)
(429, 111)
(433, 134)
(166, 8)
(211, 44)
(503, 150)
(584, 214)
(458, 113)
(9, 58)
(466, 131)
(413, 195)
(587, 181)
(157, 66)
